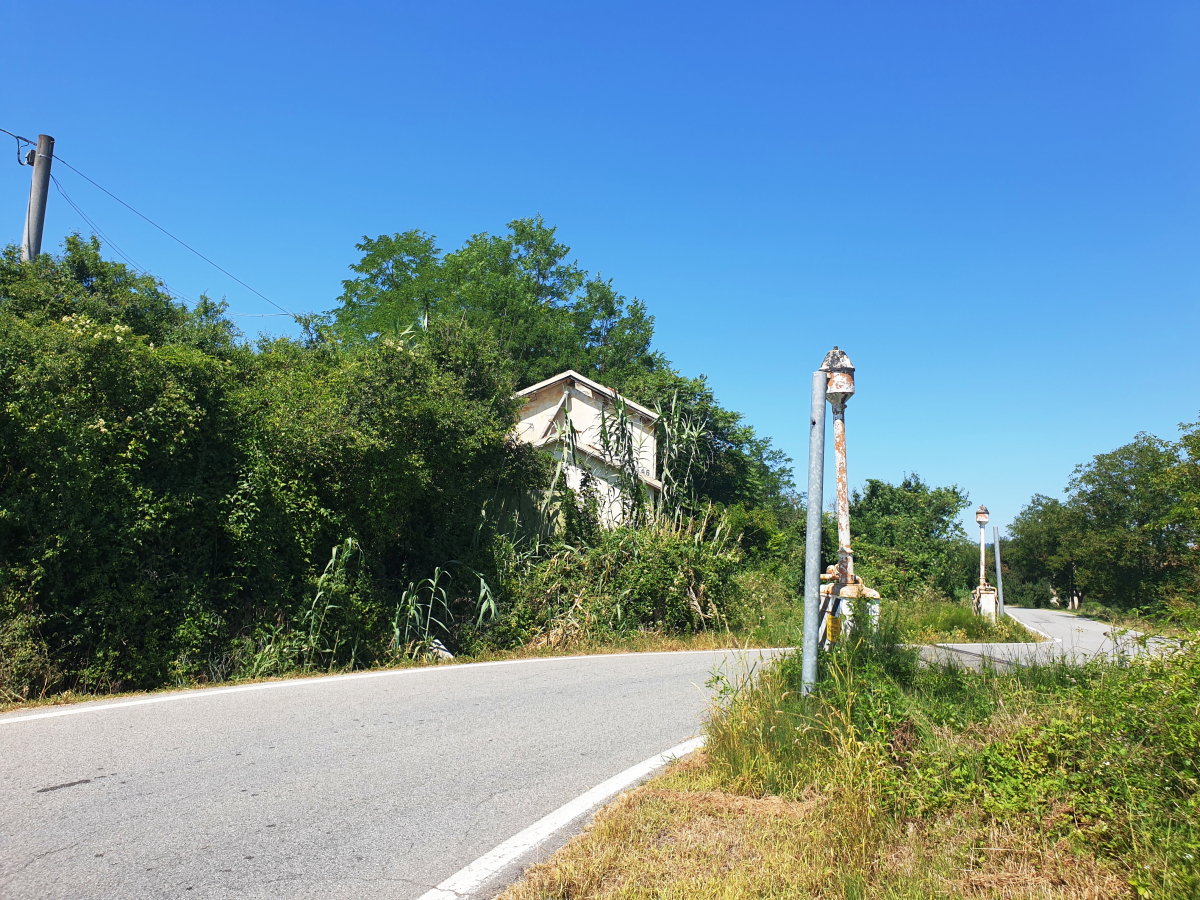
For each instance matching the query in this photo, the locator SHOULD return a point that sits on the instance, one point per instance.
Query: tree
(1127, 535)
(1039, 552)
(545, 312)
(908, 535)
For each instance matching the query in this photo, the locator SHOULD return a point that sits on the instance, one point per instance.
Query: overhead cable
(113, 245)
(283, 309)
(20, 140)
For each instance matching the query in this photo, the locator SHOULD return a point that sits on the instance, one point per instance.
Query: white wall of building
(543, 424)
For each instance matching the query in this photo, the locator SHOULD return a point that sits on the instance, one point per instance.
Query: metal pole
(35, 215)
(812, 545)
(999, 577)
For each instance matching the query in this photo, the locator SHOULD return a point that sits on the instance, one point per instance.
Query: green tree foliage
(736, 465)
(1036, 560)
(169, 495)
(1128, 534)
(908, 535)
(545, 312)
(547, 315)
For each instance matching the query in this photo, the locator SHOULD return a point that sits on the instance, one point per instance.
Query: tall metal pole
(812, 539)
(999, 577)
(35, 215)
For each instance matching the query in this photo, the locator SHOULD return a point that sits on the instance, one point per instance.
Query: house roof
(572, 375)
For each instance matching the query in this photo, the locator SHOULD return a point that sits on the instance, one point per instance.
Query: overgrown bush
(1103, 756)
(169, 497)
(675, 578)
(929, 619)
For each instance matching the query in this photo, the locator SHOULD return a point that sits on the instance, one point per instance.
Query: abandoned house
(570, 402)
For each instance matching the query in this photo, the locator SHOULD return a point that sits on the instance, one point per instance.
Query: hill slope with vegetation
(181, 505)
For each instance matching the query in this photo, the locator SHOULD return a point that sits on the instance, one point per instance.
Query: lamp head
(981, 516)
(840, 372)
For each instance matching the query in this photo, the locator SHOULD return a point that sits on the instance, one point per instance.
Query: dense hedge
(166, 491)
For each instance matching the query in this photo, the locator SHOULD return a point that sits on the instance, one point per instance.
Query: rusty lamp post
(841, 582)
(839, 391)
(984, 595)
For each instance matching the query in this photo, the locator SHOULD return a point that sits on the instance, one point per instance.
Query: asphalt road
(1075, 635)
(1068, 636)
(374, 785)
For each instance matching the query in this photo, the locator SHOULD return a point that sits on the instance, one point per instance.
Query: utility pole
(812, 540)
(35, 215)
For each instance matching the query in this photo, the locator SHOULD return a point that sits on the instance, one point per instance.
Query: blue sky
(993, 207)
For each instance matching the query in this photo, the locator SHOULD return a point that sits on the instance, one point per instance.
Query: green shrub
(26, 669)
(662, 576)
(929, 619)
(169, 499)
(1104, 756)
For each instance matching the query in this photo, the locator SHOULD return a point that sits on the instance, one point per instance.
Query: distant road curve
(1071, 637)
(378, 784)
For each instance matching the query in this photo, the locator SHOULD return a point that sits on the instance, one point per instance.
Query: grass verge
(767, 617)
(893, 781)
(933, 620)
(776, 627)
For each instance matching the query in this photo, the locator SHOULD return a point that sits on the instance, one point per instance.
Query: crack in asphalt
(59, 787)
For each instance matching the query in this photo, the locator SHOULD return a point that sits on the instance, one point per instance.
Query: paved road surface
(377, 785)
(1076, 635)
(1073, 637)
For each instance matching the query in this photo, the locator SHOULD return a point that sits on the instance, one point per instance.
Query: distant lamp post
(981, 516)
(984, 596)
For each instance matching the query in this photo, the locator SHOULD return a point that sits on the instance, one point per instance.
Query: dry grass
(673, 838)
(638, 642)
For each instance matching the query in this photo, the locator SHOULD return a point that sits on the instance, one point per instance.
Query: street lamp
(981, 516)
(984, 595)
(839, 390)
(841, 584)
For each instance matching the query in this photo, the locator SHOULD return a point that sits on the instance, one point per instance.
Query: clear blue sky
(993, 207)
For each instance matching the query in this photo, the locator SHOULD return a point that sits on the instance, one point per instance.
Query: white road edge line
(201, 693)
(1030, 627)
(464, 881)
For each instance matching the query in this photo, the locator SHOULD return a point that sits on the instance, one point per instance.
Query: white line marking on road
(1031, 628)
(464, 881)
(202, 693)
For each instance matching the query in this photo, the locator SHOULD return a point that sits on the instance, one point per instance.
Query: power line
(20, 140)
(113, 244)
(283, 309)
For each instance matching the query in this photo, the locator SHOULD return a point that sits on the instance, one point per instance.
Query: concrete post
(812, 545)
(844, 584)
(982, 555)
(35, 215)
(839, 390)
(999, 576)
